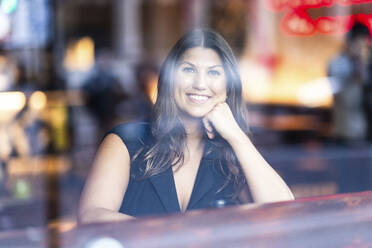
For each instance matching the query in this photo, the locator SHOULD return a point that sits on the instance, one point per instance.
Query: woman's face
(200, 82)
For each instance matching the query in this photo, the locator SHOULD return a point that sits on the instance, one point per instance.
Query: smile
(197, 98)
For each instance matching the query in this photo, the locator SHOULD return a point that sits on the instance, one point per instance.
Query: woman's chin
(194, 115)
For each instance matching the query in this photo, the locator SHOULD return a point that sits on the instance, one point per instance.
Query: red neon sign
(296, 21)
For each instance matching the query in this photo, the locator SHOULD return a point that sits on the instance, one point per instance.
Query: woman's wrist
(238, 139)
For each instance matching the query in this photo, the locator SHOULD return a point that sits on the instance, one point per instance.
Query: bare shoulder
(109, 176)
(112, 152)
(112, 142)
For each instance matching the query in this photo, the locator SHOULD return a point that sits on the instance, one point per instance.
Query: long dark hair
(166, 127)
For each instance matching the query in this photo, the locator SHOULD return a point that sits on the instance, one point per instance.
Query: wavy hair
(166, 127)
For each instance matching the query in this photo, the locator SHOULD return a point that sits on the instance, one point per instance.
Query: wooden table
(329, 221)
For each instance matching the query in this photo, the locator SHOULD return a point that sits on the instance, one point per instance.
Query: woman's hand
(222, 120)
(264, 183)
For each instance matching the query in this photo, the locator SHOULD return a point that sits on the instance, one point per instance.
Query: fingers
(215, 117)
(208, 127)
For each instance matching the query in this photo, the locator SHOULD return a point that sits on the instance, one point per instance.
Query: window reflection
(96, 64)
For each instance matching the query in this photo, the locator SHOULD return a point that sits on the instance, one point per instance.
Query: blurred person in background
(26, 134)
(193, 154)
(138, 105)
(103, 92)
(348, 73)
(22, 133)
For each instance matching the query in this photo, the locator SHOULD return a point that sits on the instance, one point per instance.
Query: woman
(194, 153)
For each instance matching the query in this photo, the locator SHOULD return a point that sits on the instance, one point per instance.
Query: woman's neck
(194, 133)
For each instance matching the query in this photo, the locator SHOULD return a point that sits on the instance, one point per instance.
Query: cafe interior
(70, 70)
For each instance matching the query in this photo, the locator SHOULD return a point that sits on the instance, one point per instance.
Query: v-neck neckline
(193, 186)
(165, 186)
(196, 181)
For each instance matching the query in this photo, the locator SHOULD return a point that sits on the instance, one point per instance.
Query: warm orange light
(255, 79)
(152, 89)
(12, 101)
(38, 100)
(3, 61)
(291, 83)
(316, 93)
(63, 225)
(80, 55)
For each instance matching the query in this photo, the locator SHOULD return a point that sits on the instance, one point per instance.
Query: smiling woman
(200, 82)
(194, 153)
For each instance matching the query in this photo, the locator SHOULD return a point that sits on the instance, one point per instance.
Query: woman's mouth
(199, 99)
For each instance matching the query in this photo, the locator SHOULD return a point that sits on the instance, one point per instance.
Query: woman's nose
(200, 81)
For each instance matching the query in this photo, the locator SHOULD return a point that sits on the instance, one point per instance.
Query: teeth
(198, 97)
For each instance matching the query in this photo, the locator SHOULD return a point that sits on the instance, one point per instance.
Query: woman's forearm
(101, 215)
(264, 182)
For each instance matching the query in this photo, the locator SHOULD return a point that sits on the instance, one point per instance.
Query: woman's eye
(214, 73)
(188, 69)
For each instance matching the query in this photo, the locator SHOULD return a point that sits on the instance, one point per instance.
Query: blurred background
(72, 69)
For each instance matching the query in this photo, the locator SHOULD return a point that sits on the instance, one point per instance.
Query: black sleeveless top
(157, 194)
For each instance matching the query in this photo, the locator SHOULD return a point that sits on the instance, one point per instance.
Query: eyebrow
(191, 64)
(185, 62)
(215, 66)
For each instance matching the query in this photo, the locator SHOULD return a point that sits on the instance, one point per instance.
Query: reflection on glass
(51, 121)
